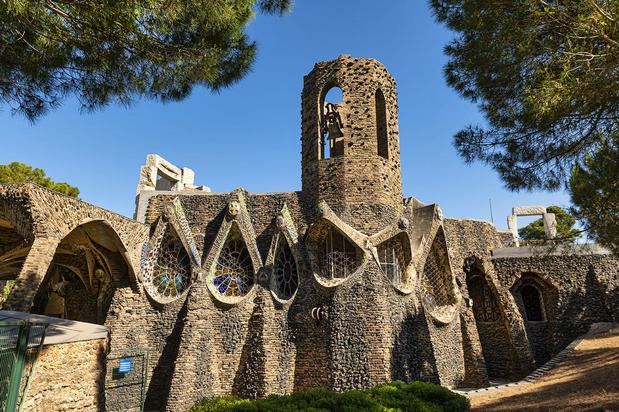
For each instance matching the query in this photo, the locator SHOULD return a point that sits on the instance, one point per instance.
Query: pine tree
(117, 51)
(16, 172)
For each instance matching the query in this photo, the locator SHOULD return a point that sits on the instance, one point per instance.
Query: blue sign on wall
(124, 365)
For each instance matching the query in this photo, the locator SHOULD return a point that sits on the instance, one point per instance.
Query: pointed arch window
(485, 308)
(171, 268)
(382, 137)
(436, 276)
(532, 302)
(234, 273)
(285, 271)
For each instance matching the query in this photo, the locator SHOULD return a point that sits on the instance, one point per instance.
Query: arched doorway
(535, 298)
(490, 321)
(87, 267)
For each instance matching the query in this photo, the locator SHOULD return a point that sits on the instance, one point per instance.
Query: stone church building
(344, 284)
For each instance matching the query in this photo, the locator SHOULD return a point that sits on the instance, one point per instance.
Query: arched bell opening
(394, 256)
(87, 267)
(331, 140)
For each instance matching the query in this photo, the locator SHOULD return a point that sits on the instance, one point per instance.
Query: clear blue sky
(249, 135)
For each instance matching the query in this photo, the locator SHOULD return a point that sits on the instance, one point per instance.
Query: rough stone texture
(336, 331)
(577, 291)
(68, 377)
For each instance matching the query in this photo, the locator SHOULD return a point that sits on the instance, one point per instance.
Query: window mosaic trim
(167, 272)
(285, 271)
(234, 273)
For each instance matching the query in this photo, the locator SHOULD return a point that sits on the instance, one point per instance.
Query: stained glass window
(285, 271)
(234, 274)
(171, 271)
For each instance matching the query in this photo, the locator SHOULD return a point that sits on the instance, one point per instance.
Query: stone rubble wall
(68, 377)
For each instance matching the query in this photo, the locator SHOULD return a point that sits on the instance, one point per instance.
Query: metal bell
(334, 130)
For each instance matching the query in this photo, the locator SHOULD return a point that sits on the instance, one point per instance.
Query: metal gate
(125, 380)
(20, 346)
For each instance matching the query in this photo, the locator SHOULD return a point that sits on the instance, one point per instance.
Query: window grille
(436, 277)
(285, 270)
(392, 260)
(532, 302)
(340, 255)
(171, 271)
(234, 274)
(485, 308)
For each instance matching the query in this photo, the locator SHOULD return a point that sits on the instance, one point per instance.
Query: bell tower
(350, 149)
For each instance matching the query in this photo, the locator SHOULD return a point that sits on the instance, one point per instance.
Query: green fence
(20, 346)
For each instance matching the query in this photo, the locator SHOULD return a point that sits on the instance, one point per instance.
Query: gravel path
(586, 379)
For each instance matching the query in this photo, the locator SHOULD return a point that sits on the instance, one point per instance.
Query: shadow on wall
(597, 303)
(161, 379)
(413, 354)
(249, 378)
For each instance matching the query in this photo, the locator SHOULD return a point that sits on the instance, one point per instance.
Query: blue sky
(249, 135)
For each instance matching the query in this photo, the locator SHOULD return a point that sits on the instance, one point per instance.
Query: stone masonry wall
(68, 377)
(586, 288)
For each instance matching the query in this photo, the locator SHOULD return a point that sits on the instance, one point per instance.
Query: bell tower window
(331, 125)
(381, 124)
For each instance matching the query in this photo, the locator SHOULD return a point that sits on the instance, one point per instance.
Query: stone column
(32, 274)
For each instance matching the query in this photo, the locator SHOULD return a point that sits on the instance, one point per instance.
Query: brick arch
(87, 266)
(539, 331)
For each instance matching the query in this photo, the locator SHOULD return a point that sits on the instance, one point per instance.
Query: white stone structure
(549, 219)
(160, 175)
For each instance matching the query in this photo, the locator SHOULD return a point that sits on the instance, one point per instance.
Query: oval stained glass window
(285, 271)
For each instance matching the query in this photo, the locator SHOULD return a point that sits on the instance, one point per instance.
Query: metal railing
(20, 346)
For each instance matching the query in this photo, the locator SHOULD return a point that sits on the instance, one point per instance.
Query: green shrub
(392, 396)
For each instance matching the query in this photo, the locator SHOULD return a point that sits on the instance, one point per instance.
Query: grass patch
(392, 396)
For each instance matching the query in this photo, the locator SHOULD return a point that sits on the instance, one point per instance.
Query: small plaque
(124, 365)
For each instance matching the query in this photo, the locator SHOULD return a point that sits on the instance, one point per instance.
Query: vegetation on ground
(392, 396)
(17, 172)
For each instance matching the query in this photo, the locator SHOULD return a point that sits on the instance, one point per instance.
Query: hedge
(392, 396)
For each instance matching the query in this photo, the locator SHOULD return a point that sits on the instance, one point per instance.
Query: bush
(392, 396)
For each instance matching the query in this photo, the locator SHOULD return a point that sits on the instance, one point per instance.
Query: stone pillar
(32, 274)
